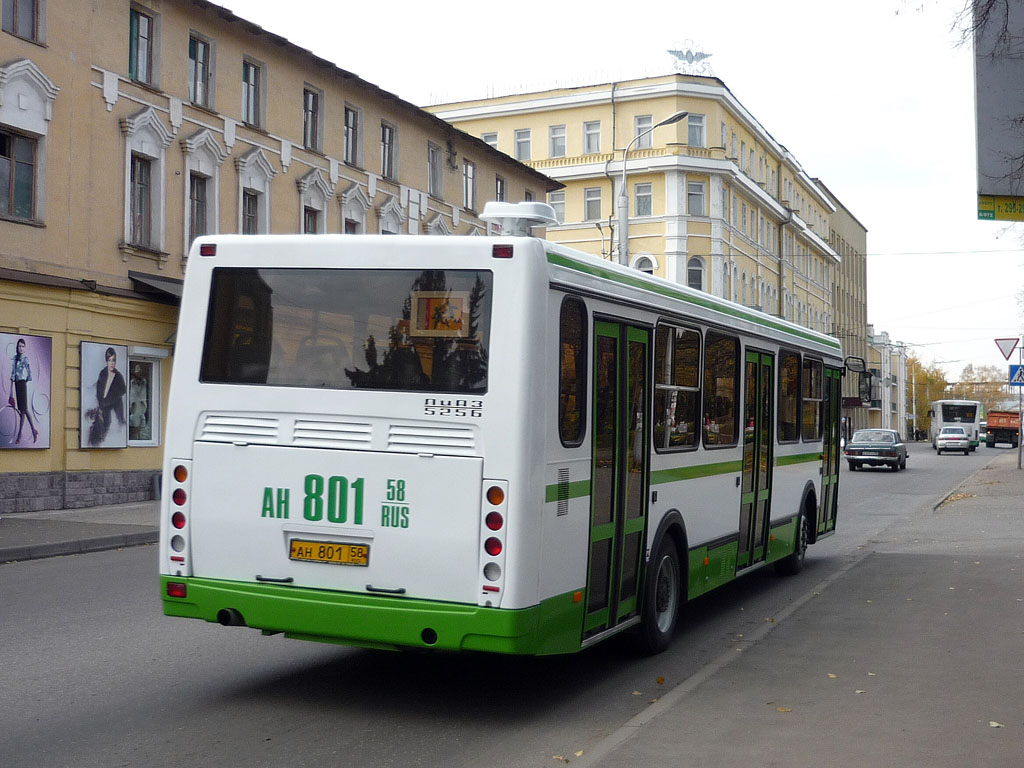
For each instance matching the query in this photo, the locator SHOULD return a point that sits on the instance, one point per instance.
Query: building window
(143, 401)
(743, 155)
(21, 18)
(642, 124)
(522, 141)
(592, 137)
(17, 175)
(642, 201)
(352, 136)
(198, 71)
(695, 198)
(311, 118)
(140, 46)
(490, 139)
(724, 135)
(592, 204)
(387, 150)
(695, 131)
(645, 264)
(468, 185)
(310, 221)
(251, 93)
(557, 201)
(528, 196)
(250, 212)
(676, 387)
(435, 185)
(197, 206)
(499, 189)
(141, 206)
(695, 273)
(556, 144)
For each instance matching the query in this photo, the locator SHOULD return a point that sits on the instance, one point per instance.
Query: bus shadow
(488, 689)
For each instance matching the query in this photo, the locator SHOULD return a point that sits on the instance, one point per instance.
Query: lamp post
(624, 196)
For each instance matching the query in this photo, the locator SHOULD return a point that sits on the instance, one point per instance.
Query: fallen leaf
(872, 674)
(832, 676)
(661, 681)
(994, 724)
(770, 620)
(783, 709)
(652, 701)
(636, 693)
(579, 754)
(860, 691)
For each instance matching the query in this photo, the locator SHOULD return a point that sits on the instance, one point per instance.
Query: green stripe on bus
(799, 458)
(690, 473)
(376, 621)
(664, 290)
(575, 491)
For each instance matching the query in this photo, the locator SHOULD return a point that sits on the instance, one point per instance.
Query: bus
(489, 443)
(958, 413)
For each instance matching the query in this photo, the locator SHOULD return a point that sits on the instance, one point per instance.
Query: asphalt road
(91, 673)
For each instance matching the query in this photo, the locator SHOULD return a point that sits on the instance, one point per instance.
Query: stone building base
(37, 491)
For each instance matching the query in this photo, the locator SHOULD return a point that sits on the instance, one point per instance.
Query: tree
(986, 383)
(926, 383)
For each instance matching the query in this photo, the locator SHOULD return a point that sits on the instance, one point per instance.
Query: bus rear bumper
(553, 626)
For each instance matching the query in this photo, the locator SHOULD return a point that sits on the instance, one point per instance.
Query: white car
(953, 439)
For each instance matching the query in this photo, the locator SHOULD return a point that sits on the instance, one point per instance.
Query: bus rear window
(414, 330)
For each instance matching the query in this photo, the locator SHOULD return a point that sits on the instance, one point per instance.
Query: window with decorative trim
(17, 175)
(200, 65)
(24, 18)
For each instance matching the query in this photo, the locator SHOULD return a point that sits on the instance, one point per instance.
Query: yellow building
(848, 238)
(714, 201)
(126, 130)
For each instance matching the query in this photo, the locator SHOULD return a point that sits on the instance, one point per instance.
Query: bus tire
(793, 563)
(662, 592)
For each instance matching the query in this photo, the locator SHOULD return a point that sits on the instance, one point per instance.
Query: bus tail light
(501, 252)
(175, 525)
(208, 249)
(177, 589)
(493, 541)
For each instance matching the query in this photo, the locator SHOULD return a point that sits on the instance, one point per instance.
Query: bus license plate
(328, 552)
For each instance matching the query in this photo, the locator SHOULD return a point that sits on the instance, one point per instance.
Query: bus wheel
(794, 563)
(661, 598)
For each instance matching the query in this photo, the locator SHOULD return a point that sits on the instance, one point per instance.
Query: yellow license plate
(329, 552)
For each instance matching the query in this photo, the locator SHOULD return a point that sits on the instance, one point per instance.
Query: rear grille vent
(332, 434)
(234, 429)
(458, 441)
(563, 491)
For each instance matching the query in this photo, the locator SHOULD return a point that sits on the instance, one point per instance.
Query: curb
(61, 548)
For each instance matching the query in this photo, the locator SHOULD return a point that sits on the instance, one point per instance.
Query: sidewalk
(909, 656)
(30, 535)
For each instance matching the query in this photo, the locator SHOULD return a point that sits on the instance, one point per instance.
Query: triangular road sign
(1006, 346)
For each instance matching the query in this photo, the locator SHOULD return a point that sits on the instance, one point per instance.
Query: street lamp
(624, 196)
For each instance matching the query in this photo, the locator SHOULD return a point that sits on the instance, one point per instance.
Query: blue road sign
(1017, 375)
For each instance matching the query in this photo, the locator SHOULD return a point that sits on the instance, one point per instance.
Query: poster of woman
(104, 407)
(25, 391)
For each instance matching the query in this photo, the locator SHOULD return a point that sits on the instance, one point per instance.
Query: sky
(874, 97)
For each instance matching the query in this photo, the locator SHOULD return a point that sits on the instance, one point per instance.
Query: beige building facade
(849, 238)
(714, 201)
(128, 129)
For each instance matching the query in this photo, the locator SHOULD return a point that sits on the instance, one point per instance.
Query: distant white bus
(959, 413)
(479, 443)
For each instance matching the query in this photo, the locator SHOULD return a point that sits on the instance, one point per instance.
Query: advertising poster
(104, 400)
(25, 391)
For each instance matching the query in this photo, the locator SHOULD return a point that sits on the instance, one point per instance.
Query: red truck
(1002, 427)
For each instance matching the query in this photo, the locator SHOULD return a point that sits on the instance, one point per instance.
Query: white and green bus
(479, 443)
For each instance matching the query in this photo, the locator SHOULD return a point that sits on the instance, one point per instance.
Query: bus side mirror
(856, 364)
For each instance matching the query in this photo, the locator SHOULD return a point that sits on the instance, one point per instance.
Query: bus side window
(721, 388)
(572, 371)
(676, 387)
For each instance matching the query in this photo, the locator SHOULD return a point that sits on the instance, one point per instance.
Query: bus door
(758, 440)
(619, 474)
(830, 455)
